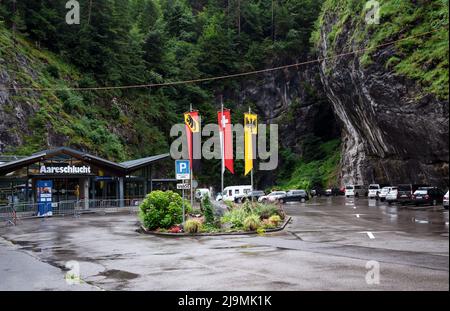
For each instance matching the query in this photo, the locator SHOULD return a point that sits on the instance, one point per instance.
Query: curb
(141, 229)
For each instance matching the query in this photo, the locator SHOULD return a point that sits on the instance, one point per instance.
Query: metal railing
(10, 213)
(7, 216)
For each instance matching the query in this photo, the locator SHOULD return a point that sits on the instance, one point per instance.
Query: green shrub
(266, 224)
(192, 226)
(162, 209)
(248, 206)
(53, 71)
(251, 223)
(207, 210)
(275, 220)
(236, 217)
(267, 210)
(211, 228)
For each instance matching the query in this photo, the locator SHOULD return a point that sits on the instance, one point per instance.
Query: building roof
(122, 168)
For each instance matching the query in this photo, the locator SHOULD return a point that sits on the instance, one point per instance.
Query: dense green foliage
(250, 216)
(162, 209)
(192, 226)
(423, 58)
(251, 222)
(123, 42)
(207, 210)
(318, 167)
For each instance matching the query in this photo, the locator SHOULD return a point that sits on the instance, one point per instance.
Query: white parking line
(370, 234)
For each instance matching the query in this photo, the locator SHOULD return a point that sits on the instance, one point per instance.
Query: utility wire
(242, 74)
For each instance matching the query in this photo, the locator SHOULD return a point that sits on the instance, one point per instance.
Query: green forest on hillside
(127, 42)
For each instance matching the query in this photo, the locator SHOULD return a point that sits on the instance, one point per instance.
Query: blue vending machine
(44, 197)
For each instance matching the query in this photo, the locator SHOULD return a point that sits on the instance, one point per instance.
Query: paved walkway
(326, 247)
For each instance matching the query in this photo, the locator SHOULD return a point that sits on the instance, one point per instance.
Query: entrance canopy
(118, 169)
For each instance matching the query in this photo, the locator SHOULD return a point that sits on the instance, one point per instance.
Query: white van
(232, 192)
(355, 191)
(374, 191)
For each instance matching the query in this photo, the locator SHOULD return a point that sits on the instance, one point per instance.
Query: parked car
(428, 195)
(374, 191)
(355, 191)
(445, 200)
(405, 192)
(272, 197)
(295, 196)
(255, 195)
(334, 191)
(200, 193)
(383, 192)
(317, 192)
(232, 192)
(392, 195)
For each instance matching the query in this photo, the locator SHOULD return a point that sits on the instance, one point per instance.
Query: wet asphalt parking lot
(325, 247)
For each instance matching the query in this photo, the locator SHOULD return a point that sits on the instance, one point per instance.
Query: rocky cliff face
(393, 131)
(295, 101)
(13, 114)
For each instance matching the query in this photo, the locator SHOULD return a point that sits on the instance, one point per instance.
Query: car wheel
(281, 201)
(389, 202)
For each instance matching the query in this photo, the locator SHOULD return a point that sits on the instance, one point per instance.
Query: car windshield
(276, 193)
(348, 187)
(373, 187)
(404, 188)
(296, 192)
(421, 192)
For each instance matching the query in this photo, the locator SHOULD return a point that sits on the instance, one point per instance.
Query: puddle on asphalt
(27, 245)
(119, 274)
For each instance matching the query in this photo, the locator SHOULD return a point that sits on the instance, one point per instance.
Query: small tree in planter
(162, 209)
(207, 210)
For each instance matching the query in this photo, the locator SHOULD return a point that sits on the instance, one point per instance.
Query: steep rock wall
(393, 131)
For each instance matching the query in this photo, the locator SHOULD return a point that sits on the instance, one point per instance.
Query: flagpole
(192, 164)
(222, 144)
(251, 172)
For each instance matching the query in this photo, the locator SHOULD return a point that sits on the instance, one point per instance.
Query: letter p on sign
(182, 169)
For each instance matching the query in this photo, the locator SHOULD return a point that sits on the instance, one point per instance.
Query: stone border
(184, 234)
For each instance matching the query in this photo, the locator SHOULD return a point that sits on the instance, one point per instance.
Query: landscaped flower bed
(161, 212)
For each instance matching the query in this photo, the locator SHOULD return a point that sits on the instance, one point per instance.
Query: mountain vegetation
(131, 42)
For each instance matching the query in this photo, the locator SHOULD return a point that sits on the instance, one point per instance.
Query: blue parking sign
(182, 169)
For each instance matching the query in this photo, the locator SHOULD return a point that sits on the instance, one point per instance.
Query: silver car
(272, 197)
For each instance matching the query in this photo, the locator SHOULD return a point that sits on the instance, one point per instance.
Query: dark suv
(405, 192)
(428, 195)
(295, 196)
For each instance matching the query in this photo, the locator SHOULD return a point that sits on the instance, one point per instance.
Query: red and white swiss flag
(226, 139)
